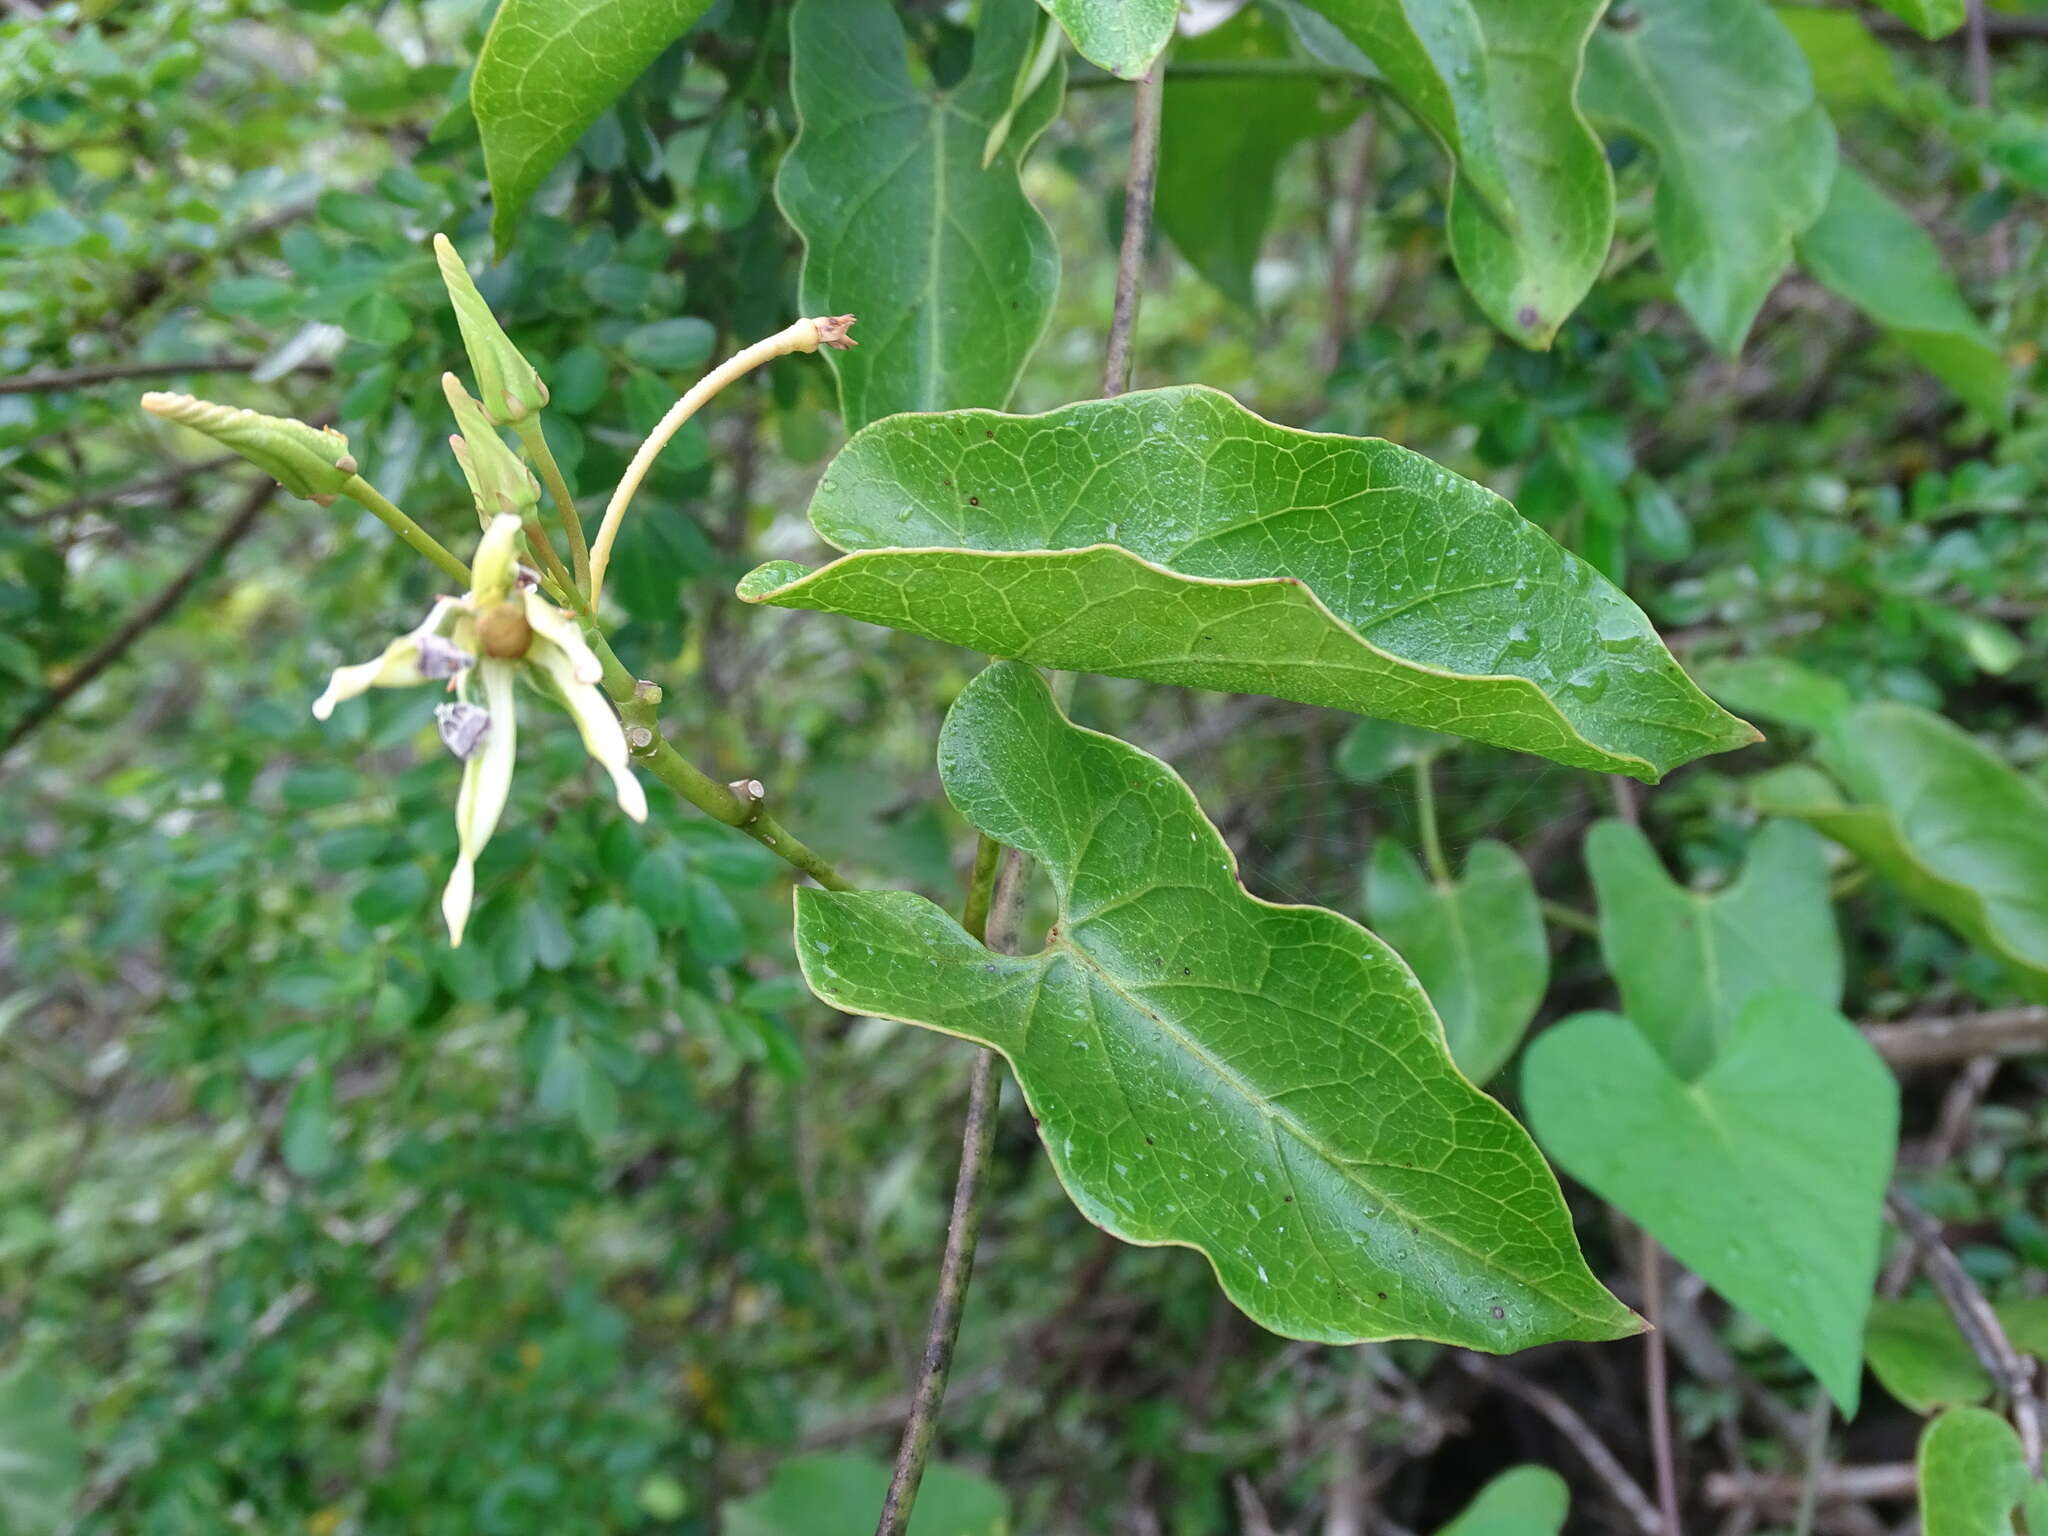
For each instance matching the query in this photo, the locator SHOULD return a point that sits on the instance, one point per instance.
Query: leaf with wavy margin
(1531, 210)
(1173, 536)
(1745, 151)
(950, 268)
(1266, 1084)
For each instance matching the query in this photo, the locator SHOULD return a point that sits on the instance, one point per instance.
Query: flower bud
(498, 481)
(510, 389)
(313, 462)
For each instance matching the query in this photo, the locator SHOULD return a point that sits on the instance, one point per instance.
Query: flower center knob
(504, 632)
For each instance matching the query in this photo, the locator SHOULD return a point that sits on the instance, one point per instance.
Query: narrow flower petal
(496, 565)
(551, 623)
(603, 738)
(486, 783)
(397, 667)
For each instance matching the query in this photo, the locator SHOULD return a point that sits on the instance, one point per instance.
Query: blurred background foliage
(308, 1223)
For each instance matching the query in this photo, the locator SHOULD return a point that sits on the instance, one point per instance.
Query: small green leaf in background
(1372, 749)
(1930, 18)
(1265, 1084)
(836, 1495)
(547, 70)
(1477, 946)
(1972, 1475)
(1850, 66)
(1867, 248)
(1122, 36)
(1939, 816)
(1173, 536)
(1745, 151)
(949, 267)
(1532, 201)
(1923, 1360)
(1688, 962)
(307, 1135)
(1221, 142)
(41, 1459)
(672, 345)
(1776, 689)
(1765, 1175)
(1522, 1501)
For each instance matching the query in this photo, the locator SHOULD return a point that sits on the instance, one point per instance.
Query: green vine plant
(1299, 1099)
(1268, 1085)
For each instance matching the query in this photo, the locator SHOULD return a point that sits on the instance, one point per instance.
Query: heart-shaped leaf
(1867, 248)
(1939, 816)
(1221, 142)
(1476, 945)
(1765, 1175)
(1532, 201)
(1123, 36)
(1687, 962)
(1745, 151)
(1925, 1362)
(546, 71)
(1173, 536)
(950, 269)
(1263, 1083)
(1522, 1501)
(1973, 1476)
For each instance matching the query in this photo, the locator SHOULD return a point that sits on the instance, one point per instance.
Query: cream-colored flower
(483, 643)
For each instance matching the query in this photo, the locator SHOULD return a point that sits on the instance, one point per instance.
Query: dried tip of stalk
(313, 462)
(832, 331)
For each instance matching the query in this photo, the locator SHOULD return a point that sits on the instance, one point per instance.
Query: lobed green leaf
(1745, 151)
(1765, 1175)
(1532, 201)
(950, 268)
(1688, 962)
(1173, 536)
(1266, 1084)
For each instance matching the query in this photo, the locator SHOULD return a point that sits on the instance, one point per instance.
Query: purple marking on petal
(463, 727)
(442, 657)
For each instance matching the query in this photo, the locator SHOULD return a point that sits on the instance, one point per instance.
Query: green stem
(535, 440)
(416, 537)
(1571, 917)
(981, 887)
(1425, 815)
(638, 704)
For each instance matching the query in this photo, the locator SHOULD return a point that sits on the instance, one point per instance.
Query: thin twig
(107, 373)
(150, 613)
(1896, 1480)
(1626, 1490)
(1347, 221)
(1975, 1320)
(1656, 1382)
(1941, 1041)
(1139, 185)
(140, 491)
(405, 1358)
